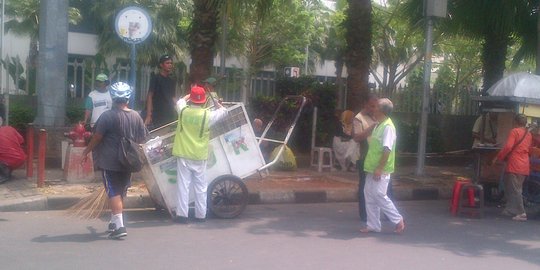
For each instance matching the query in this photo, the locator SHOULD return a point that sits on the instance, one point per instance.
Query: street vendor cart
(234, 154)
(515, 94)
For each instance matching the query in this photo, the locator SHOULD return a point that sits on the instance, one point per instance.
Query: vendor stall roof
(515, 88)
(505, 100)
(521, 84)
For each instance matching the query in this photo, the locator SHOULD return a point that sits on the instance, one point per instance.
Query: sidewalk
(304, 185)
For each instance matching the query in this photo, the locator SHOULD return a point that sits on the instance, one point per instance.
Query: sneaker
(520, 217)
(118, 233)
(111, 227)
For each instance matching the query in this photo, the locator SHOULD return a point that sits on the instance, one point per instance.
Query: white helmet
(120, 90)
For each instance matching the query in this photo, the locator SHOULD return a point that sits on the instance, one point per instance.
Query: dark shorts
(116, 183)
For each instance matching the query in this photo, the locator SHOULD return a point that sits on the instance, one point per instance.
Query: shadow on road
(92, 236)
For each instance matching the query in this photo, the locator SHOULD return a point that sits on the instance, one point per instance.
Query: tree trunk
(202, 40)
(358, 55)
(493, 57)
(339, 80)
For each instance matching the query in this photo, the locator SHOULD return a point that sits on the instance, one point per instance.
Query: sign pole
(133, 76)
(432, 9)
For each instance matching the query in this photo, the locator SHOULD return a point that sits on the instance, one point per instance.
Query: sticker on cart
(237, 142)
(168, 166)
(241, 147)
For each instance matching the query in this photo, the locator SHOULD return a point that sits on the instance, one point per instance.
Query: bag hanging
(130, 153)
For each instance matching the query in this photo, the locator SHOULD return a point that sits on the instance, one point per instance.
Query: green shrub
(74, 114)
(20, 115)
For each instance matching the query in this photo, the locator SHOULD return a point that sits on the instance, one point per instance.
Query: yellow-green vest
(375, 149)
(192, 134)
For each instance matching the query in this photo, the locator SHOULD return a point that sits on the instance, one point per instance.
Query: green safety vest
(375, 150)
(192, 134)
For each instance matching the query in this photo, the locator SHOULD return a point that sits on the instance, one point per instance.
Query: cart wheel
(227, 196)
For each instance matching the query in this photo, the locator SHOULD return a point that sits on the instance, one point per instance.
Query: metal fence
(440, 102)
(81, 72)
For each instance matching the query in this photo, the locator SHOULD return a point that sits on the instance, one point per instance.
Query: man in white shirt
(379, 165)
(98, 101)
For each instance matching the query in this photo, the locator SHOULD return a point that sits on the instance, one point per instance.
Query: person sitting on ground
(12, 155)
(258, 129)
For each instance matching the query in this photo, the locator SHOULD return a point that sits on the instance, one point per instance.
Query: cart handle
(289, 131)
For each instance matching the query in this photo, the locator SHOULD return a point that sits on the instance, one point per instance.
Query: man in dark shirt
(161, 98)
(109, 129)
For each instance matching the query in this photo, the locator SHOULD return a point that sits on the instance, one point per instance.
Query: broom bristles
(91, 206)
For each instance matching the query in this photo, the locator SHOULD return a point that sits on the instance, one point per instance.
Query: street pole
(422, 135)
(306, 64)
(2, 47)
(53, 58)
(2, 92)
(537, 39)
(224, 29)
(133, 76)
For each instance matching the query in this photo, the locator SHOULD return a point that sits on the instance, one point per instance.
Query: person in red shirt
(516, 154)
(12, 155)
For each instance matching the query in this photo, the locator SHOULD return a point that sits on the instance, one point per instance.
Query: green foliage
(74, 114)
(397, 45)
(20, 115)
(459, 70)
(279, 37)
(407, 139)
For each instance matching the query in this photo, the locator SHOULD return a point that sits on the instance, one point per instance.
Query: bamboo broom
(91, 206)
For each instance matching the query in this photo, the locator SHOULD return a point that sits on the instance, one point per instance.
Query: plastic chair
(321, 157)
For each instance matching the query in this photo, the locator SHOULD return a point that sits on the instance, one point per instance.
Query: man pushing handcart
(233, 154)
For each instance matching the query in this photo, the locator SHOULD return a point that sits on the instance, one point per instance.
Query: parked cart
(234, 154)
(515, 94)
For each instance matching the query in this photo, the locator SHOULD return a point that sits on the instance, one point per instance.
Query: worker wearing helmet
(191, 149)
(110, 127)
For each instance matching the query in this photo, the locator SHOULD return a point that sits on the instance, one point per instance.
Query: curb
(42, 203)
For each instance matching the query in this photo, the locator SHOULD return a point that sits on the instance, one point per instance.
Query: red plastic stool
(458, 187)
(475, 204)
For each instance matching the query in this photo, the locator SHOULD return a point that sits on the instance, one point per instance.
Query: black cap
(164, 58)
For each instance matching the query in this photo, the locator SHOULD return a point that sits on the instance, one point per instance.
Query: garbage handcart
(234, 154)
